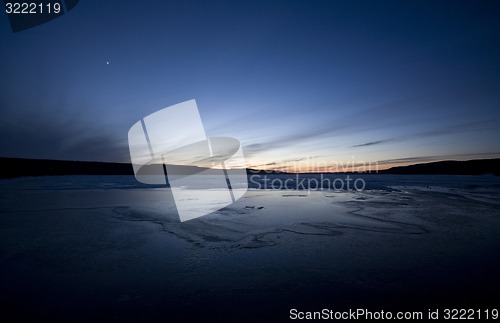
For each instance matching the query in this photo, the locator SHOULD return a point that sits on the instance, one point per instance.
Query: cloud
(428, 159)
(452, 129)
(370, 143)
(383, 116)
(46, 131)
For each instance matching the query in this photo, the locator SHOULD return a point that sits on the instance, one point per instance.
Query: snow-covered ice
(107, 247)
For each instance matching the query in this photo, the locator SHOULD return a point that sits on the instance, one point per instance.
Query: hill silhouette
(19, 167)
(450, 167)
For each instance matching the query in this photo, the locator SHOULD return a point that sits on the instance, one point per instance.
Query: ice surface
(107, 247)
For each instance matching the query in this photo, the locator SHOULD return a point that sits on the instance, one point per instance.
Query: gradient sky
(300, 83)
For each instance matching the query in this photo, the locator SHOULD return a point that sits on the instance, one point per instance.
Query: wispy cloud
(428, 159)
(482, 125)
(371, 143)
(45, 132)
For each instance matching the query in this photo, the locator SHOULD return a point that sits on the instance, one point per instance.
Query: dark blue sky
(297, 82)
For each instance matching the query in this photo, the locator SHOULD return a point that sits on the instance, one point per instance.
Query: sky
(303, 85)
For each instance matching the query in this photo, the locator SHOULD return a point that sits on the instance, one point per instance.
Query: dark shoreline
(20, 167)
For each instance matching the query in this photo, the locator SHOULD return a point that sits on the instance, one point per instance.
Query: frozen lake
(107, 247)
